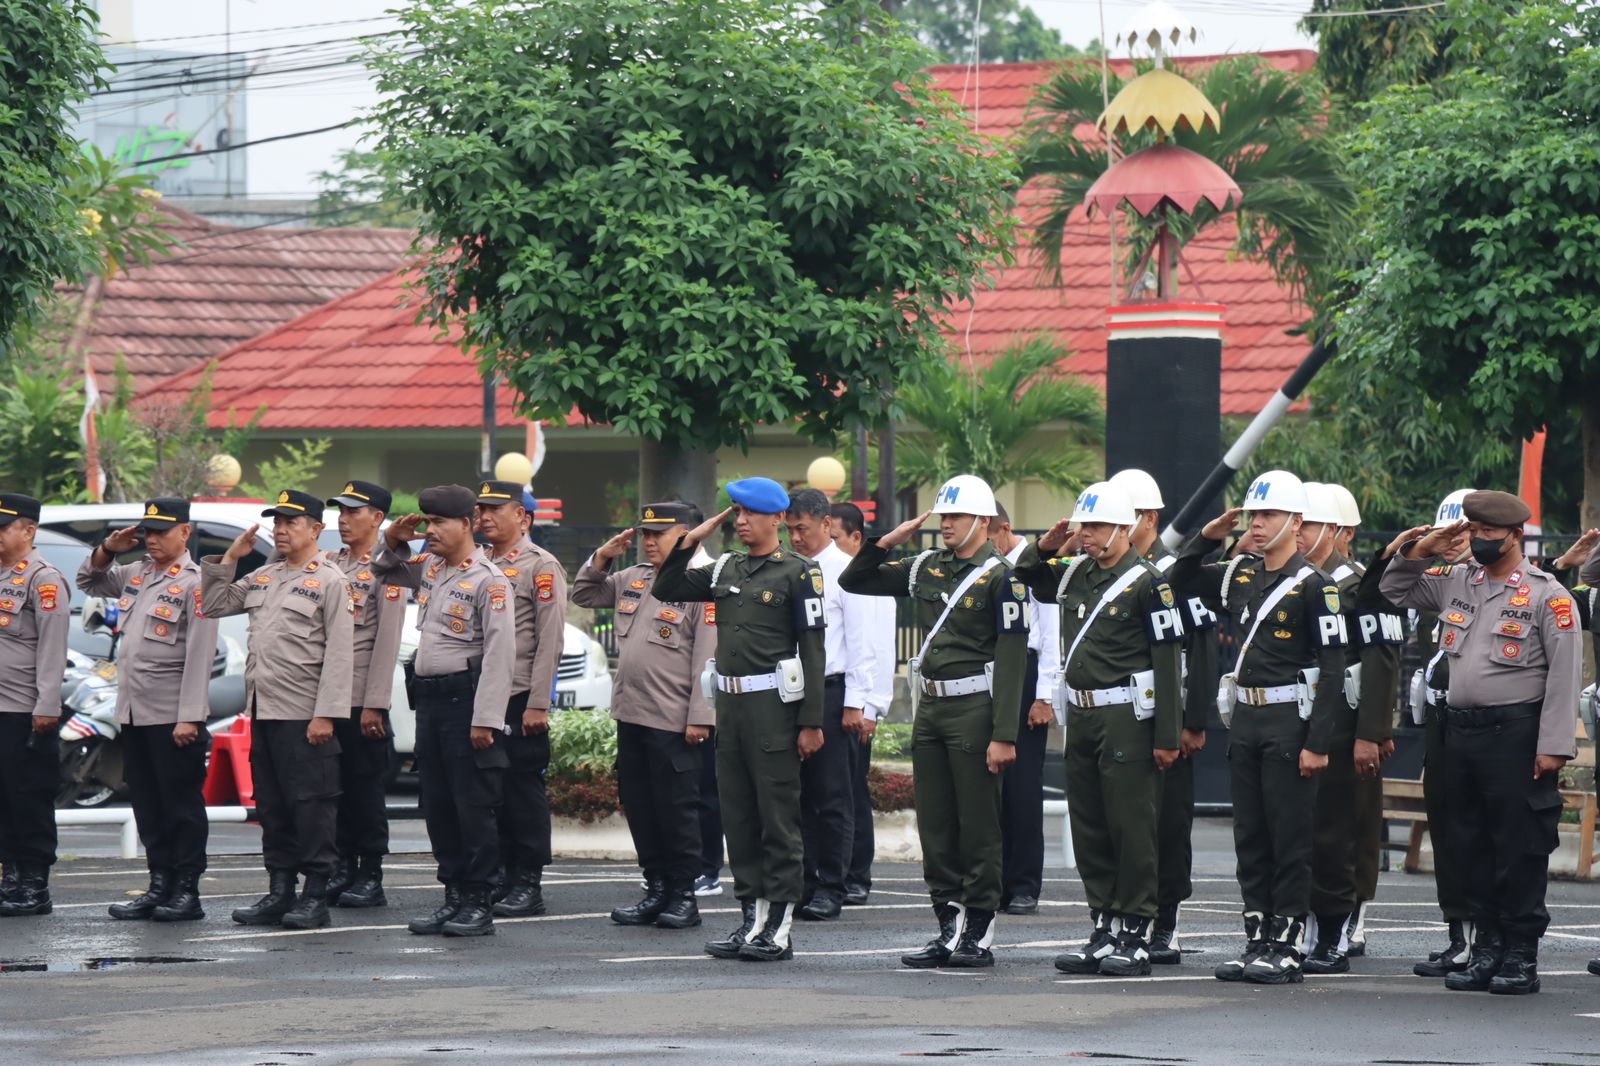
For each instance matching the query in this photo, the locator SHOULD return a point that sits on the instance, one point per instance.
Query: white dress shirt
(859, 640)
(1044, 637)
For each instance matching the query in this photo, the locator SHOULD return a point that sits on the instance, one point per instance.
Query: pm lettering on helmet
(1260, 490)
(1088, 501)
(1450, 512)
(949, 493)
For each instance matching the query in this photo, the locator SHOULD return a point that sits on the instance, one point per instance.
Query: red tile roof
(412, 380)
(225, 285)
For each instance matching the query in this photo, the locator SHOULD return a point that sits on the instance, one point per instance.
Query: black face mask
(1487, 551)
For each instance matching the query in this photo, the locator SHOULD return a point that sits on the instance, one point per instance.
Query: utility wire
(252, 33)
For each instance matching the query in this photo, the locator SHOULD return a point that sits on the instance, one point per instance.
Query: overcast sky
(287, 169)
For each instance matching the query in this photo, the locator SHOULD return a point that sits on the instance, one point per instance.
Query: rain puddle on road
(112, 962)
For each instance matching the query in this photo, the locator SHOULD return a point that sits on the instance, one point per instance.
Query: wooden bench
(1402, 802)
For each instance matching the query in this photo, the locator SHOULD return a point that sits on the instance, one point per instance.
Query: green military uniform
(958, 799)
(1122, 634)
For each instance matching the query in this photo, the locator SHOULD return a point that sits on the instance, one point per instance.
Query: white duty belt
(1266, 697)
(1099, 697)
(751, 683)
(961, 686)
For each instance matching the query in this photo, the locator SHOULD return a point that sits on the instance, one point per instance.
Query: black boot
(645, 911)
(771, 942)
(821, 907)
(433, 924)
(1519, 973)
(1326, 954)
(270, 909)
(1255, 942)
(144, 905)
(1164, 949)
(1355, 932)
(973, 949)
(504, 878)
(310, 911)
(680, 910)
(525, 899)
(8, 881)
(367, 889)
(1451, 959)
(476, 916)
(754, 914)
(1282, 963)
(1102, 941)
(344, 875)
(951, 917)
(32, 894)
(1131, 955)
(1488, 952)
(183, 905)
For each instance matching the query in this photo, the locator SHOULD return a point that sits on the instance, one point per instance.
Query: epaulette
(1066, 575)
(1439, 571)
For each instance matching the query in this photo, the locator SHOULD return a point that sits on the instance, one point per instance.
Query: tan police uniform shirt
(164, 655)
(464, 613)
(34, 616)
(380, 616)
(1508, 640)
(301, 634)
(540, 585)
(662, 646)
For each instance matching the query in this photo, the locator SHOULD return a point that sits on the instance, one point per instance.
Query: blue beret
(759, 494)
(529, 502)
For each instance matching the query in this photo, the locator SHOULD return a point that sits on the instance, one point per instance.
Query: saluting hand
(1573, 556)
(1437, 542)
(1222, 526)
(902, 533)
(242, 545)
(703, 530)
(401, 530)
(1057, 537)
(1414, 533)
(121, 541)
(615, 548)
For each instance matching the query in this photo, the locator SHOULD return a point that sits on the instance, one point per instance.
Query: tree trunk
(670, 473)
(888, 515)
(1591, 460)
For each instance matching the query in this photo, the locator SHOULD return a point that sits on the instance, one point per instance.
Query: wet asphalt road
(573, 988)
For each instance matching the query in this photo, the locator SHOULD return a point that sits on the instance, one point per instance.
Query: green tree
(991, 421)
(295, 466)
(1481, 242)
(685, 220)
(1273, 142)
(1359, 57)
(1012, 31)
(356, 193)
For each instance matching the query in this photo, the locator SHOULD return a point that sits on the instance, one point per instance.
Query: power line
(248, 144)
(253, 33)
(1374, 11)
(286, 47)
(187, 83)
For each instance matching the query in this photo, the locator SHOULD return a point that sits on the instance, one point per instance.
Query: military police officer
(1122, 683)
(380, 615)
(297, 682)
(768, 681)
(539, 586)
(1294, 634)
(33, 656)
(663, 718)
(1516, 656)
(968, 677)
(163, 672)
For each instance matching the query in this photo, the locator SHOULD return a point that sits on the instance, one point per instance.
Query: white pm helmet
(1449, 512)
(1105, 502)
(1276, 490)
(965, 494)
(1322, 505)
(1141, 488)
(1349, 512)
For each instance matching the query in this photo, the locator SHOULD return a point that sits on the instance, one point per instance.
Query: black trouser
(1272, 809)
(297, 797)
(1501, 820)
(658, 780)
(524, 813)
(1174, 832)
(710, 813)
(166, 786)
(363, 764)
(863, 844)
(1333, 855)
(827, 813)
(1447, 882)
(461, 786)
(1022, 799)
(30, 769)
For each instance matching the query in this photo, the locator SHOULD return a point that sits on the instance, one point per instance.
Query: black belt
(1481, 716)
(834, 679)
(463, 683)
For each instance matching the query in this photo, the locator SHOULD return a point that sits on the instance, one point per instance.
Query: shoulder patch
(816, 580)
(1438, 571)
(546, 584)
(497, 598)
(1561, 607)
(1330, 598)
(711, 613)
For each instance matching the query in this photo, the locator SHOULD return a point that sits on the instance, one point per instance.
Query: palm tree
(988, 421)
(1274, 143)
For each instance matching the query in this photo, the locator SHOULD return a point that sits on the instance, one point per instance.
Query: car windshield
(65, 554)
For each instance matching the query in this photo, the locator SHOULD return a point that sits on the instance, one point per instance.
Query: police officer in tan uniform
(33, 656)
(460, 684)
(663, 719)
(380, 615)
(163, 672)
(539, 586)
(297, 683)
(1511, 633)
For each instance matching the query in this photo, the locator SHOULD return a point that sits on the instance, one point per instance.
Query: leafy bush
(582, 794)
(892, 741)
(582, 740)
(891, 790)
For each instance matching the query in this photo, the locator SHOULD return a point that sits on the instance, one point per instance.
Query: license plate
(566, 699)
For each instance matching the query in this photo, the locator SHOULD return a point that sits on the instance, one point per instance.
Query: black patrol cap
(363, 494)
(493, 492)
(292, 503)
(667, 515)
(447, 501)
(1495, 509)
(14, 505)
(164, 512)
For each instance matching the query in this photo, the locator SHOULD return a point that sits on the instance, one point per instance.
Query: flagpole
(92, 291)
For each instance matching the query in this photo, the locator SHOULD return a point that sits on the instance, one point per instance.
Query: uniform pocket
(1453, 628)
(494, 757)
(1545, 805)
(161, 630)
(1509, 651)
(318, 773)
(686, 761)
(301, 605)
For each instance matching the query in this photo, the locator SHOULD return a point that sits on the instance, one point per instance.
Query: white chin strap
(1269, 545)
(970, 531)
(1127, 530)
(1309, 552)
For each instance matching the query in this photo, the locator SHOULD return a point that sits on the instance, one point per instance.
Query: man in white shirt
(1022, 796)
(827, 816)
(849, 532)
